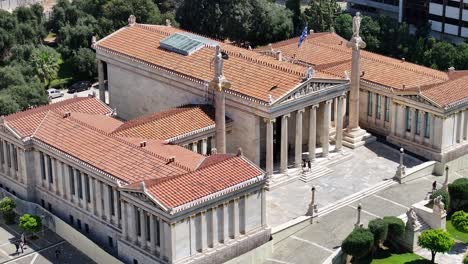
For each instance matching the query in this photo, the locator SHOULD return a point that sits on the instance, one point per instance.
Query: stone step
(315, 172)
(354, 197)
(279, 180)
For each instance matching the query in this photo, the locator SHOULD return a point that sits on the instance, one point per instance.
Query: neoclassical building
(287, 103)
(138, 195)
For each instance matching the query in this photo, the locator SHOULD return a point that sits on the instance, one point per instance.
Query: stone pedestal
(354, 138)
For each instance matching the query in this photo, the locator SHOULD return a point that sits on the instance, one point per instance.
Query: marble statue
(356, 25)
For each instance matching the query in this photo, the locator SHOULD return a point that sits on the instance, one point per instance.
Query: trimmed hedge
(459, 194)
(379, 228)
(7, 206)
(359, 243)
(396, 227)
(445, 197)
(460, 221)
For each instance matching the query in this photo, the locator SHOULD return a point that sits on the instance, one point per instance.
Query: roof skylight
(185, 43)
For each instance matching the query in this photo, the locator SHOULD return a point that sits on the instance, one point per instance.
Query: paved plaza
(38, 251)
(368, 166)
(317, 242)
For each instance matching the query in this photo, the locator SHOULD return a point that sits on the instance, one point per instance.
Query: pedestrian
(17, 248)
(57, 254)
(308, 163)
(23, 238)
(21, 247)
(434, 186)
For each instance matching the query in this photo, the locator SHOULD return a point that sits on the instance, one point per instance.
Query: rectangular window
(49, 169)
(408, 119)
(78, 223)
(138, 222)
(110, 241)
(387, 109)
(72, 220)
(86, 226)
(369, 104)
(80, 184)
(43, 172)
(148, 231)
(427, 123)
(418, 122)
(158, 239)
(15, 158)
(377, 106)
(42, 202)
(8, 154)
(72, 180)
(111, 198)
(2, 157)
(88, 194)
(49, 206)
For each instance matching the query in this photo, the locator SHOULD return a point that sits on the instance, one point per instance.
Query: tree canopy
(436, 240)
(321, 15)
(30, 223)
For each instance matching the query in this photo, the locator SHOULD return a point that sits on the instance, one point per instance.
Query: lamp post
(358, 222)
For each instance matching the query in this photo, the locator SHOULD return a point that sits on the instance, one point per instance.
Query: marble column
(102, 92)
(75, 184)
(220, 120)
(116, 205)
(335, 110)
(92, 194)
(195, 146)
(132, 232)
(269, 156)
(99, 207)
(284, 144)
(422, 129)
(124, 220)
(382, 110)
(374, 108)
(235, 222)
(326, 129)
(225, 222)
(466, 125)
(339, 125)
(105, 189)
(162, 243)
(214, 227)
(432, 132)
(143, 232)
(312, 131)
(298, 145)
(152, 234)
(460, 126)
(203, 231)
(84, 178)
(413, 123)
(204, 146)
(393, 118)
(67, 195)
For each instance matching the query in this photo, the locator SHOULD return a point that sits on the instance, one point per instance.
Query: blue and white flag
(302, 37)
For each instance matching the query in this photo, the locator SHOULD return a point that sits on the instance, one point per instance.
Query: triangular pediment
(8, 131)
(418, 98)
(309, 88)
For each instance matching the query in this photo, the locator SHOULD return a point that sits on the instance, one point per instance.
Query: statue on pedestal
(412, 219)
(356, 25)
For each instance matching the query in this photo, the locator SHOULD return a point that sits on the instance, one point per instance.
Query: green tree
(358, 243)
(321, 14)
(7, 104)
(145, 11)
(85, 62)
(458, 190)
(379, 228)
(28, 95)
(442, 55)
(396, 227)
(370, 30)
(45, 61)
(7, 205)
(295, 7)
(436, 240)
(344, 25)
(461, 60)
(30, 223)
(8, 26)
(460, 221)
(9, 76)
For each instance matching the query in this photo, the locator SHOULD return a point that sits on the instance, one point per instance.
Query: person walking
(21, 246)
(57, 254)
(17, 248)
(434, 186)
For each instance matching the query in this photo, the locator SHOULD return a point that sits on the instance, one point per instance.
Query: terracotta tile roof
(448, 93)
(170, 124)
(103, 122)
(119, 158)
(328, 52)
(179, 190)
(26, 122)
(250, 73)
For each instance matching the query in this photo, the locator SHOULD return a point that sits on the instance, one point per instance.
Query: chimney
(279, 55)
(66, 114)
(142, 144)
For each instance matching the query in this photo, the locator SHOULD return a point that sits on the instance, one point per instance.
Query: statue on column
(219, 82)
(356, 25)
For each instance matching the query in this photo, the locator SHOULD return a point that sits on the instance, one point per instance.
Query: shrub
(445, 197)
(396, 226)
(30, 223)
(7, 206)
(436, 240)
(379, 228)
(465, 260)
(459, 194)
(460, 221)
(358, 243)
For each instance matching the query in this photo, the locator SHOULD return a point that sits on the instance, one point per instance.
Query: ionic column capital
(314, 107)
(329, 101)
(286, 116)
(300, 111)
(269, 120)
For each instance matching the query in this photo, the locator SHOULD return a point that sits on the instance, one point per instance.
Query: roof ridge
(125, 142)
(40, 124)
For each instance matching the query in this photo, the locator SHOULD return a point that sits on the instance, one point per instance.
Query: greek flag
(302, 37)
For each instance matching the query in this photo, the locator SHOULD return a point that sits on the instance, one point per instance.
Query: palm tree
(45, 62)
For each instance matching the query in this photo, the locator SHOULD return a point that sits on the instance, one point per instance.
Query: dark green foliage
(465, 259)
(396, 227)
(9, 76)
(343, 26)
(460, 221)
(28, 95)
(30, 223)
(85, 62)
(458, 190)
(298, 19)
(358, 243)
(321, 15)
(445, 197)
(436, 240)
(379, 228)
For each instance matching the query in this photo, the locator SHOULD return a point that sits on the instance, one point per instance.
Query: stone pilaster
(152, 234)
(413, 123)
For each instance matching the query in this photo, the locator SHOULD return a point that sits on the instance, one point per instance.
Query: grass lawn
(401, 258)
(463, 237)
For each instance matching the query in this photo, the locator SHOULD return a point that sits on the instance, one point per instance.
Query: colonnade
(201, 146)
(325, 109)
(12, 161)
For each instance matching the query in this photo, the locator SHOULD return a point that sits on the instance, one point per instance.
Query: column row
(202, 146)
(10, 157)
(413, 124)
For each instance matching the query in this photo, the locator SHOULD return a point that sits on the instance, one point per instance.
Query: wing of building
(134, 192)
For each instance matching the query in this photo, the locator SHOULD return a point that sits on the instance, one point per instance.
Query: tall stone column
(97, 188)
(125, 221)
(339, 125)
(460, 126)
(132, 234)
(422, 129)
(326, 129)
(102, 91)
(204, 146)
(195, 146)
(84, 178)
(214, 227)
(312, 131)
(413, 123)
(382, 110)
(284, 144)
(298, 145)
(143, 232)
(432, 127)
(374, 108)
(355, 136)
(393, 116)
(152, 234)
(219, 84)
(269, 146)
(105, 189)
